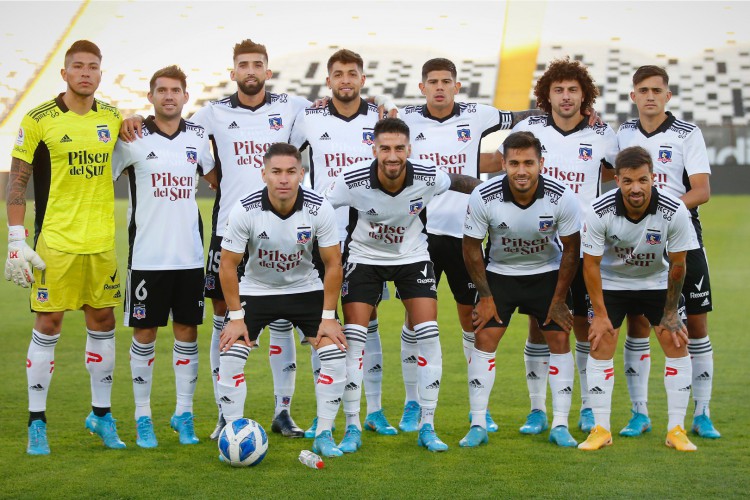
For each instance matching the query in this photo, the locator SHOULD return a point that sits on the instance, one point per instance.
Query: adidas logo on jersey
(351, 386)
(704, 376)
(532, 376)
(37, 387)
(476, 384)
(372, 212)
(325, 137)
(375, 369)
(614, 237)
(226, 400)
(630, 372)
(151, 156)
(503, 225)
(544, 150)
(420, 137)
(139, 380)
(66, 139)
(596, 390)
(233, 125)
(336, 401)
(409, 360)
(263, 236)
(434, 385)
(106, 380)
(290, 368)
(567, 391)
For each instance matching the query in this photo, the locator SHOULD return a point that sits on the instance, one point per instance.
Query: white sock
(637, 364)
(100, 363)
(40, 363)
(468, 343)
(561, 385)
(232, 386)
(702, 358)
(601, 380)
(142, 370)
(430, 368)
(214, 356)
(536, 359)
(330, 386)
(282, 355)
(582, 356)
(372, 368)
(481, 380)
(356, 336)
(185, 363)
(409, 355)
(315, 363)
(678, 376)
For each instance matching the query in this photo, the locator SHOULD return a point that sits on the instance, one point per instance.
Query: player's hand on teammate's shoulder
(131, 128)
(594, 117)
(600, 326)
(234, 330)
(484, 311)
(320, 102)
(386, 107)
(560, 314)
(331, 328)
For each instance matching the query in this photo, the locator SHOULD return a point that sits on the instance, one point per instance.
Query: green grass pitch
(393, 467)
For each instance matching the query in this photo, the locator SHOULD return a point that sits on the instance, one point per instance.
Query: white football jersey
(678, 151)
(164, 221)
(634, 252)
(335, 142)
(241, 136)
(523, 240)
(574, 158)
(453, 145)
(280, 247)
(387, 228)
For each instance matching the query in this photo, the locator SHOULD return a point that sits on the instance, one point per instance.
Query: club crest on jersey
(304, 234)
(210, 282)
(653, 237)
(192, 156)
(545, 224)
(368, 137)
(464, 134)
(103, 133)
(275, 122)
(42, 295)
(665, 156)
(416, 206)
(139, 311)
(585, 152)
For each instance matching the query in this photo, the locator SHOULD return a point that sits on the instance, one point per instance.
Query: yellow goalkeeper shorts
(74, 280)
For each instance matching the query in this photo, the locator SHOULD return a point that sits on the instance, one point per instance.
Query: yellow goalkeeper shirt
(71, 156)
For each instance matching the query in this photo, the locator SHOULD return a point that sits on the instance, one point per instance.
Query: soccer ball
(243, 443)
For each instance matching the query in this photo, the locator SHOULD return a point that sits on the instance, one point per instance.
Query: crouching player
(528, 216)
(625, 236)
(278, 226)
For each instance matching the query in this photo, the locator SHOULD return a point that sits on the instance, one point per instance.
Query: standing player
(277, 227)
(528, 216)
(448, 134)
(67, 144)
(387, 197)
(165, 265)
(626, 234)
(578, 154)
(681, 169)
(341, 134)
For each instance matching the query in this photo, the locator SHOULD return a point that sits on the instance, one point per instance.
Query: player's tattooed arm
(18, 180)
(558, 309)
(519, 116)
(485, 309)
(671, 322)
(463, 183)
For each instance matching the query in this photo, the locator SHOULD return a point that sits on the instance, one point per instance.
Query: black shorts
(581, 301)
(650, 303)
(531, 294)
(213, 283)
(303, 310)
(364, 282)
(446, 254)
(150, 296)
(697, 285)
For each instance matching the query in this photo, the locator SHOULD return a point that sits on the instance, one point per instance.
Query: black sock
(101, 412)
(37, 415)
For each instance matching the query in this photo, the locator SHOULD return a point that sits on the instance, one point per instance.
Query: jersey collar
(265, 203)
(455, 112)
(581, 125)
(375, 182)
(234, 101)
(661, 128)
(61, 104)
(154, 129)
(651, 210)
(508, 194)
(363, 108)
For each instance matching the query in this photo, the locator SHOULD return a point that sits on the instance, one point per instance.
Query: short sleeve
(327, 233)
(205, 158)
(611, 148)
(569, 216)
(28, 139)
(594, 232)
(337, 193)
(681, 235)
(298, 137)
(476, 221)
(120, 159)
(203, 118)
(695, 155)
(442, 181)
(237, 231)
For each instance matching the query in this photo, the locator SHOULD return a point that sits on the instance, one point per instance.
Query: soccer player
(448, 134)
(278, 226)
(681, 169)
(242, 127)
(626, 234)
(341, 134)
(387, 198)
(67, 143)
(165, 268)
(578, 154)
(528, 216)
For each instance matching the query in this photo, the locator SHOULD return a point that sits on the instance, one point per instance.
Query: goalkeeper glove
(20, 255)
